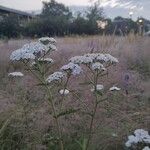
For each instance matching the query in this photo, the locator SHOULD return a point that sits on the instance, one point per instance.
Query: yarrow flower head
(140, 136)
(35, 48)
(114, 88)
(81, 60)
(50, 43)
(93, 58)
(98, 66)
(72, 68)
(131, 140)
(47, 40)
(28, 51)
(99, 87)
(16, 74)
(64, 92)
(21, 54)
(111, 59)
(56, 76)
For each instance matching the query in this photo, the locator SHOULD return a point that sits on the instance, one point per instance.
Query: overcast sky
(37, 4)
(139, 7)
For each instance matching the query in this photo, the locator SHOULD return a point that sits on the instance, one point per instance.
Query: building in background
(22, 16)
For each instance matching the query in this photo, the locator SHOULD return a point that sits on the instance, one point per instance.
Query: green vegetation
(57, 20)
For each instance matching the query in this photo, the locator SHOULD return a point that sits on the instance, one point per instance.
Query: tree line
(57, 20)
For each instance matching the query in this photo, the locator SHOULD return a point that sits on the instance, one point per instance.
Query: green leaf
(67, 112)
(102, 100)
(82, 143)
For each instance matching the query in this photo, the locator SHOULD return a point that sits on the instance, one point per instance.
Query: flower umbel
(56, 76)
(72, 68)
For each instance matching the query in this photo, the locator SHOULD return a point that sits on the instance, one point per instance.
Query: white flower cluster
(50, 43)
(94, 57)
(33, 50)
(114, 88)
(81, 60)
(99, 87)
(64, 92)
(98, 66)
(47, 40)
(140, 136)
(16, 74)
(56, 76)
(21, 54)
(74, 69)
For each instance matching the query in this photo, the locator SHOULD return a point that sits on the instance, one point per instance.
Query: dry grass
(121, 114)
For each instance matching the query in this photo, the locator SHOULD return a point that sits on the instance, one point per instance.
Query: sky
(134, 5)
(37, 4)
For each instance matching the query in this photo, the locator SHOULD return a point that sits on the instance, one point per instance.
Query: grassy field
(25, 122)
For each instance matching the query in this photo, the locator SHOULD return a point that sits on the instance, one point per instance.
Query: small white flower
(21, 54)
(76, 59)
(111, 59)
(46, 60)
(81, 60)
(75, 69)
(140, 136)
(28, 51)
(140, 133)
(146, 148)
(87, 60)
(35, 48)
(16, 74)
(64, 92)
(28, 56)
(99, 87)
(133, 139)
(101, 58)
(56, 76)
(93, 56)
(98, 66)
(114, 88)
(47, 40)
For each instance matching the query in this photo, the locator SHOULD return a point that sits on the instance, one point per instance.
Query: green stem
(42, 80)
(63, 96)
(94, 112)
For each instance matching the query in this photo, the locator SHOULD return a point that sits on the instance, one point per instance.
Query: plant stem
(94, 111)
(63, 96)
(43, 81)
(56, 119)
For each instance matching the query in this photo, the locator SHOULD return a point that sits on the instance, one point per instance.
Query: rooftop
(10, 10)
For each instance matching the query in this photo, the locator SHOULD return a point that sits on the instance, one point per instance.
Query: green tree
(10, 26)
(95, 13)
(56, 18)
(79, 25)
